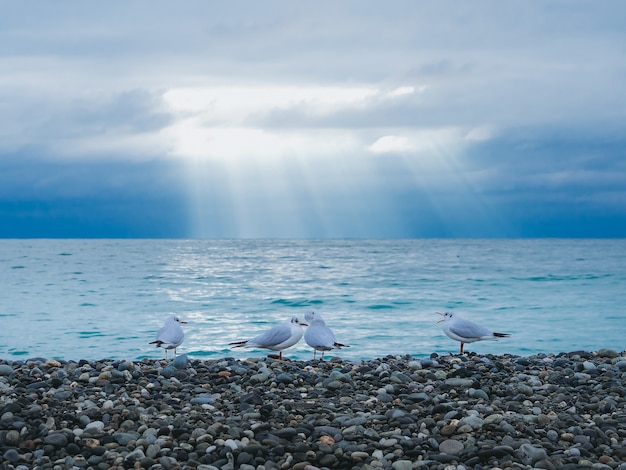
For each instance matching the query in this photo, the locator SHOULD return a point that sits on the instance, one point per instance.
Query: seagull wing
(277, 335)
(467, 329)
(171, 334)
(176, 336)
(319, 336)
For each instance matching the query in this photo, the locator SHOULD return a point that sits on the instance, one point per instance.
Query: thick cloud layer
(348, 119)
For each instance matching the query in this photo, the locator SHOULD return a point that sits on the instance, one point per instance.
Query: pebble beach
(550, 411)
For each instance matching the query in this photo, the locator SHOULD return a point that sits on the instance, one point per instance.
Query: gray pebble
(180, 362)
(402, 465)
(529, 454)
(610, 353)
(11, 455)
(56, 439)
(451, 447)
(12, 438)
(587, 365)
(459, 382)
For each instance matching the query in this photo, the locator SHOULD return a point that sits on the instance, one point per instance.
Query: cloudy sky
(326, 119)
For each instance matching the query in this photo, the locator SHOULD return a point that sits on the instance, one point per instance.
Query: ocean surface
(97, 299)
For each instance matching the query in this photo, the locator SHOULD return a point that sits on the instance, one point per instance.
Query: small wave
(296, 303)
(90, 334)
(65, 254)
(18, 352)
(556, 278)
(18, 267)
(380, 307)
(87, 304)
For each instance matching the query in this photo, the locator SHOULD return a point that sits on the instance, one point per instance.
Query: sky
(282, 119)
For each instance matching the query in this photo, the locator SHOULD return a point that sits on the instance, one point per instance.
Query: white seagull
(171, 335)
(466, 331)
(319, 336)
(280, 337)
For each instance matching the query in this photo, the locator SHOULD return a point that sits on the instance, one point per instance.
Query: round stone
(56, 439)
(451, 447)
(11, 455)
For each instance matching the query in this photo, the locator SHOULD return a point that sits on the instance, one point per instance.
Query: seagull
(319, 336)
(465, 331)
(171, 335)
(280, 337)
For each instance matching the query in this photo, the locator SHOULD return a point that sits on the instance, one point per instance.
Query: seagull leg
(462, 344)
(314, 353)
(280, 355)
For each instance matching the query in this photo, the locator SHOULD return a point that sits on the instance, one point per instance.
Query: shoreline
(564, 410)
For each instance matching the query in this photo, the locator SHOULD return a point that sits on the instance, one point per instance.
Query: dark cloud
(81, 115)
(42, 198)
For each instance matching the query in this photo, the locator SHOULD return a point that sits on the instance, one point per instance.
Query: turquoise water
(95, 299)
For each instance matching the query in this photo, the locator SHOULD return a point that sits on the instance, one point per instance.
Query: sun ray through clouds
(267, 162)
(438, 189)
(266, 180)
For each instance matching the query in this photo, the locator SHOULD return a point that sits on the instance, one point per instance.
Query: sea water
(97, 299)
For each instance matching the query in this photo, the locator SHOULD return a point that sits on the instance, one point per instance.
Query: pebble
(402, 465)
(530, 454)
(11, 455)
(546, 411)
(56, 439)
(451, 447)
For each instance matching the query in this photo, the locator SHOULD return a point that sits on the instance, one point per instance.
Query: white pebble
(107, 405)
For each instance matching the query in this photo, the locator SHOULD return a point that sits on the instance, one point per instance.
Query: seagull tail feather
(501, 335)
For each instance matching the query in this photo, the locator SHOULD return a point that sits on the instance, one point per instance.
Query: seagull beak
(183, 322)
(304, 324)
(443, 319)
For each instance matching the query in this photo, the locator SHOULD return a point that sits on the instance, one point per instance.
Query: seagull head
(312, 316)
(447, 316)
(295, 321)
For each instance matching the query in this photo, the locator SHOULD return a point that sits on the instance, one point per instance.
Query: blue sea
(98, 299)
